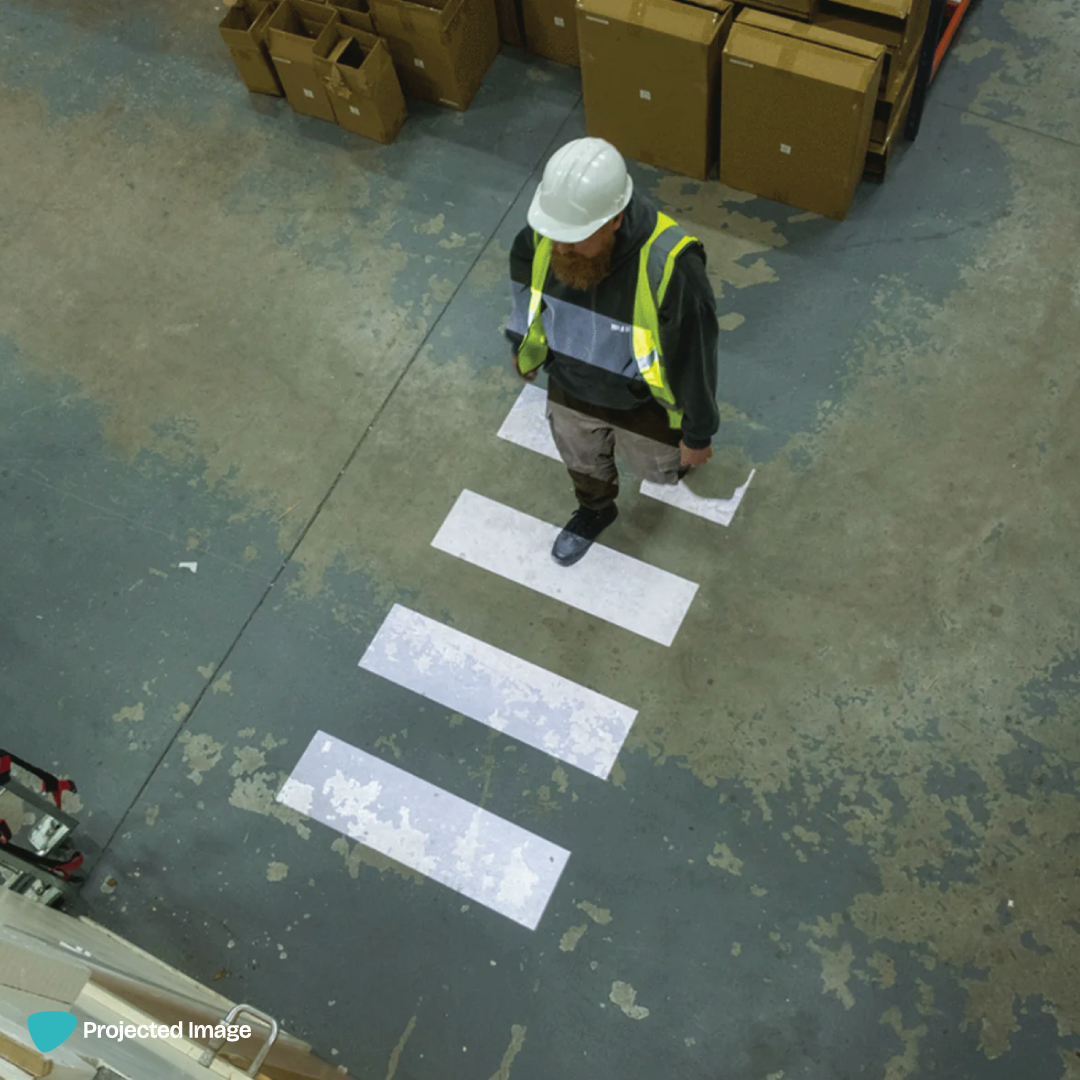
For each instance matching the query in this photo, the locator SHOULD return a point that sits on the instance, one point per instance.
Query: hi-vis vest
(581, 333)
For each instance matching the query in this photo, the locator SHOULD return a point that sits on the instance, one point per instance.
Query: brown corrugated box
(551, 29)
(244, 31)
(358, 73)
(511, 19)
(897, 24)
(796, 110)
(887, 105)
(881, 149)
(294, 31)
(882, 21)
(443, 51)
(650, 76)
(354, 13)
(804, 10)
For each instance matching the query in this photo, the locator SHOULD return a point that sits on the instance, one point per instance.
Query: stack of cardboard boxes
(353, 64)
(795, 99)
(650, 74)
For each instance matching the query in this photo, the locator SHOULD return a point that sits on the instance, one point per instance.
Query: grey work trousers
(588, 441)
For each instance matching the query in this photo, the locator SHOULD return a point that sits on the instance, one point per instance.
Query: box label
(559, 21)
(418, 62)
(741, 63)
(646, 96)
(309, 93)
(593, 18)
(354, 110)
(785, 149)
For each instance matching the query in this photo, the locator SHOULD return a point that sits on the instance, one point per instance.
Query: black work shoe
(582, 529)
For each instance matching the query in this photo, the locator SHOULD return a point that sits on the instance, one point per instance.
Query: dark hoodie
(688, 328)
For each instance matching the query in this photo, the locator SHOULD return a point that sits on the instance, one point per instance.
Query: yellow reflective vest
(655, 267)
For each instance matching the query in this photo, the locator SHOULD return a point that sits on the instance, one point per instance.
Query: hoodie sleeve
(521, 257)
(689, 337)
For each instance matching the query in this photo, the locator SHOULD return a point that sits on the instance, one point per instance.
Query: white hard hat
(585, 185)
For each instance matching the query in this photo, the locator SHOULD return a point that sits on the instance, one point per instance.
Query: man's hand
(688, 457)
(530, 376)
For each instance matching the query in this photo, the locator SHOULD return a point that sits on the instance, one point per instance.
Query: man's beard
(580, 272)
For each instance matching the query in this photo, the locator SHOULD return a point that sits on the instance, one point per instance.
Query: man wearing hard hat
(612, 298)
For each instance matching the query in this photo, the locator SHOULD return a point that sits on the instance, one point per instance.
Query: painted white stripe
(526, 702)
(720, 511)
(527, 426)
(612, 586)
(484, 857)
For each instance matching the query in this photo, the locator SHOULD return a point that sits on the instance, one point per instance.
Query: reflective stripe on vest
(655, 266)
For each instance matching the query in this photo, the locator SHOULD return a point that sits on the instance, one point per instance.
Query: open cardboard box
(244, 31)
(295, 30)
(354, 13)
(442, 49)
(358, 72)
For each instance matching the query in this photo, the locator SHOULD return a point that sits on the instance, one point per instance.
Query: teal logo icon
(50, 1029)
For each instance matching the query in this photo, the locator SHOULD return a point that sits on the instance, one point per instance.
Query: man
(612, 298)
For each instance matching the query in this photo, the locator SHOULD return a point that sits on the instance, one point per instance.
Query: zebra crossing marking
(495, 688)
(467, 849)
(614, 587)
(720, 511)
(526, 425)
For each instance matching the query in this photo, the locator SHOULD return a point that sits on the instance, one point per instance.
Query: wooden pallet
(880, 152)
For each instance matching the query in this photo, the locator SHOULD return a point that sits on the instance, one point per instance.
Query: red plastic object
(956, 10)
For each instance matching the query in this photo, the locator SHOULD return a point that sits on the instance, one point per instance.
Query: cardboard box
(244, 31)
(294, 32)
(796, 110)
(804, 10)
(511, 19)
(353, 13)
(551, 29)
(899, 25)
(358, 73)
(441, 50)
(880, 151)
(882, 21)
(650, 77)
(886, 106)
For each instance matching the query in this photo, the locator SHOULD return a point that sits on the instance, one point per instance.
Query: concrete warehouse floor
(235, 336)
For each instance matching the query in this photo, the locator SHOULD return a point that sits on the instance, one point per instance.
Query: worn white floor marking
(720, 511)
(484, 857)
(526, 425)
(511, 695)
(612, 586)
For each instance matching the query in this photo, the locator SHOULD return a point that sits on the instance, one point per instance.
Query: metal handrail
(213, 1050)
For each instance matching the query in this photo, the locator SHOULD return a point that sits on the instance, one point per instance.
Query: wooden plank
(880, 153)
(8, 1071)
(181, 1055)
(128, 974)
(23, 1057)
